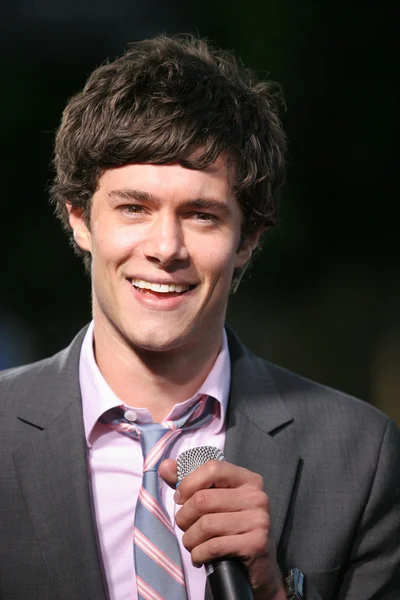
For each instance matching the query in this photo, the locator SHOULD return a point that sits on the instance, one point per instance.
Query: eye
(205, 217)
(131, 209)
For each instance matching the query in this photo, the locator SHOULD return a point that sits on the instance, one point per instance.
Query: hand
(225, 512)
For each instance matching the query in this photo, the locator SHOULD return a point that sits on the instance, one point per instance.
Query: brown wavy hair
(173, 100)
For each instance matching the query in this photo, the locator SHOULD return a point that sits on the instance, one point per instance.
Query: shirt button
(130, 415)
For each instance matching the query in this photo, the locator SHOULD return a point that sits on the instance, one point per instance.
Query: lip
(156, 301)
(162, 281)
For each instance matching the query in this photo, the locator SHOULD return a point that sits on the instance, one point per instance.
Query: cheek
(218, 262)
(112, 245)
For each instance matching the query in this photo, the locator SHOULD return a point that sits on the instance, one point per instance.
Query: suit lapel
(53, 474)
(258, 431)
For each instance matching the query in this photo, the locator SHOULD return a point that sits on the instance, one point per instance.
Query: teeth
(159, 287)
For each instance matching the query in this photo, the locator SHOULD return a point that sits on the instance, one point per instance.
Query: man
(167, 165)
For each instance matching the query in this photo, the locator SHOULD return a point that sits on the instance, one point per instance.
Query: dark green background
(323, 298)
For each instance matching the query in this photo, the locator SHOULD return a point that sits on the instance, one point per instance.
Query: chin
(155, 342)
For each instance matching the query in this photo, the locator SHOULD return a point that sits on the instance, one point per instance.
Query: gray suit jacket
(331, 467)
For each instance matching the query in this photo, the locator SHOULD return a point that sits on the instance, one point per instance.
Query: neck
(148, 379)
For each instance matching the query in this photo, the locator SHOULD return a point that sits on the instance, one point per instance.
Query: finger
(167, 471)
(225, 524)
(220, 500)
(219, 475)
(248, 547)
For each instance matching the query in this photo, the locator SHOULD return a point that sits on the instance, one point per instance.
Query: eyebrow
(129, 194)
(204, 203)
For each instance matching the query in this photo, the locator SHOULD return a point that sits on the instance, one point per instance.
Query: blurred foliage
(323, 297)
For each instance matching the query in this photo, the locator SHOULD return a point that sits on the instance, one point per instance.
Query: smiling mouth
(161, 288)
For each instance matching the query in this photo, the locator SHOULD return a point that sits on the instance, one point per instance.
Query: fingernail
(177, 496)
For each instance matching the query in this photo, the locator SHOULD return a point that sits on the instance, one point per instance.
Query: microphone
(227, 577)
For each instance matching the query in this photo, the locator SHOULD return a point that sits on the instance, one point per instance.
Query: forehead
(169, 181)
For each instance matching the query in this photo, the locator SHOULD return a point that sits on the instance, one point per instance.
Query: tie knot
(156, 438)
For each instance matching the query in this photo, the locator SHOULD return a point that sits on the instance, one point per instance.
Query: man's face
(164, 242)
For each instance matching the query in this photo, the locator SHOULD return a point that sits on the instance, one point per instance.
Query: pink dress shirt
(115, 466)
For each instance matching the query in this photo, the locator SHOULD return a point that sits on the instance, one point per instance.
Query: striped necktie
(158, 564)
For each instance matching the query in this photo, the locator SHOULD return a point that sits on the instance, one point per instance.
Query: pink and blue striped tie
(158, 564)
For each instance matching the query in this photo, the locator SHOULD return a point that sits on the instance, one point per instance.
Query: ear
(247, 247)
(82, 235)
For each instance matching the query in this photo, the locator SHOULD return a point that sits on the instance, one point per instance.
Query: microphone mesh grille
(193, 458)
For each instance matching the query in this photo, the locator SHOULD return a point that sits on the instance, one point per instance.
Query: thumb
(167, 471)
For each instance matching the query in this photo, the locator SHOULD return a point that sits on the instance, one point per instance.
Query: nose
(165, 242)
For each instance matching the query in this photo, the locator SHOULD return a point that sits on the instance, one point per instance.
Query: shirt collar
(98, 397)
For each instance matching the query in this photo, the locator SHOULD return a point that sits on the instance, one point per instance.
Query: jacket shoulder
(25, 373)
(335, 414)
(19, 382)
(307, 402)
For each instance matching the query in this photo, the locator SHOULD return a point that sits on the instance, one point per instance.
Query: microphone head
(192, 459)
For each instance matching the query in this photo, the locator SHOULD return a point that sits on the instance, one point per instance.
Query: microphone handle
(228, 580)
